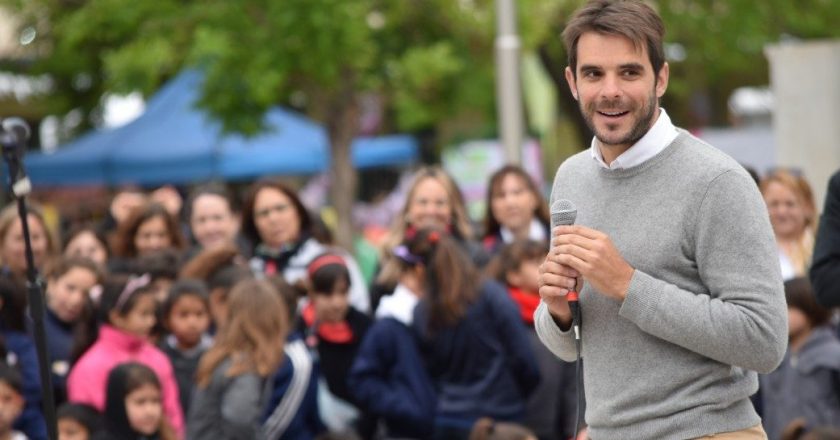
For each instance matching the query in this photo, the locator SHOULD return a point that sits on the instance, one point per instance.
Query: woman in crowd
(791, 207)
(146, 230)
(212, 218)
(87, 242)
(12, 247)
(515, 210)
(433, 200)
(275, 220)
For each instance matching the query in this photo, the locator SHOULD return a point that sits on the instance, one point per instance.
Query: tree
(430, 61)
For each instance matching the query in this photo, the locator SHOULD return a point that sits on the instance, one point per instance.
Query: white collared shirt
(652, 143)
(536, 232)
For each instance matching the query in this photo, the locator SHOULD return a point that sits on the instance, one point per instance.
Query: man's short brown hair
(631, 19)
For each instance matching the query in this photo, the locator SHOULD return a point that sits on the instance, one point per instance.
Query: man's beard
(640, 127)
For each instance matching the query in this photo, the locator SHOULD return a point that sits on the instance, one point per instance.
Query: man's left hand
(595, 257)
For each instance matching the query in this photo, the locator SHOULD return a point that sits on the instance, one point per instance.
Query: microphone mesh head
(563, 212)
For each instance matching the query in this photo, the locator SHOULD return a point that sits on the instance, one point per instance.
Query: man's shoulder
(704, 161)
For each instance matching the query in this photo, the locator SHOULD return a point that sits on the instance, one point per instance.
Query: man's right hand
(556, 281)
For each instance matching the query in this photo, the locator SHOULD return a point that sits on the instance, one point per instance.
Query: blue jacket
(59, 346)
(483, 366)
(388, 380)
(31, 421)
(305, 423)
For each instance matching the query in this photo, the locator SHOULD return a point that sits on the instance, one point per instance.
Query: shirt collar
(536, 232)
(660, 135)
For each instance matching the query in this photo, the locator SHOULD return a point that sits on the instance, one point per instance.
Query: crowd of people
(257, 326)
(215, 319)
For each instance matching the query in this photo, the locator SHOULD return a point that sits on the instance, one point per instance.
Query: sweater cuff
(641, 299)
(559, 342)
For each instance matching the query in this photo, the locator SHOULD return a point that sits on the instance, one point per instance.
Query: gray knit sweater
(705, 308)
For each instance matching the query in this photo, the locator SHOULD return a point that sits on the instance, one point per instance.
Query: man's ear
(570, 79)
(662, 79)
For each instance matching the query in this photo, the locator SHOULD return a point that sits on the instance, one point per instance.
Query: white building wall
(805, 78)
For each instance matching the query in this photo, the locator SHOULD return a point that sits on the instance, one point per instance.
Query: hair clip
(405, 255)
(134, 284)
(434, 237)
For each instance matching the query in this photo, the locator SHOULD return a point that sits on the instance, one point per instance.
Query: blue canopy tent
(173, 142)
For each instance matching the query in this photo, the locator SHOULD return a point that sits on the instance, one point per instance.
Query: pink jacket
(89, 377)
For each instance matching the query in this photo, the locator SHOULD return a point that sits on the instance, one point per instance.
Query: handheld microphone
(563, 213)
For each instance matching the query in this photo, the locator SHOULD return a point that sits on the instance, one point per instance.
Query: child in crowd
(471, 337)
(77, 421)
(186, 317)
(162, 266)
(233, 377)
(220, 268)
(69, 312)
(11, 402)
(127, 310)
(807, 383)
(133, 409)
(551, 409)
(18, 350)
(334, 331)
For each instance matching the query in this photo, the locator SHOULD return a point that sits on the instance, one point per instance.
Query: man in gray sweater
(673, 254)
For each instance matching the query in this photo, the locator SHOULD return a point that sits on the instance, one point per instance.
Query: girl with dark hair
(220, 268)
(516, 210)
(77, 421)
(334, 330)
(807, 383)
(275, 220)
(146, 230)
(471, 338)
(70, 312)
(127, 311)
(233, 377)
(186, 318)
(133, 405)
(20, 353)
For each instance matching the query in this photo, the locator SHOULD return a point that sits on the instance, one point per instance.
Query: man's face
(616, 88)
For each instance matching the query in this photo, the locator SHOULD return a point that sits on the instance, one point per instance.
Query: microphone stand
(20, 185)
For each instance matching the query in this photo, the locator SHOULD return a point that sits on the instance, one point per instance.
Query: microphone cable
(574, 306)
